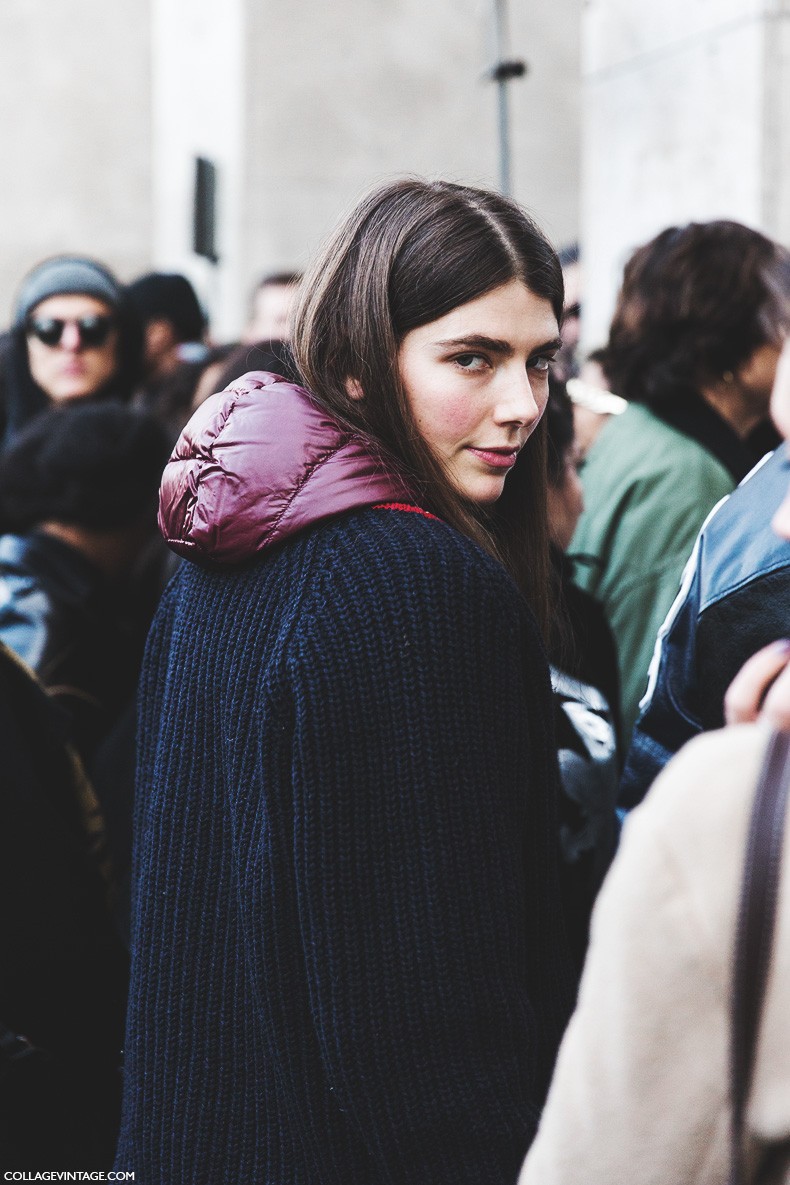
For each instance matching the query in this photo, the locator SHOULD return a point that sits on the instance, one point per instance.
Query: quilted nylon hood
(259, 462)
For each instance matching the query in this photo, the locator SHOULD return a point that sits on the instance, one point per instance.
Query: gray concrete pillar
(304, 105)
(75, 135)
(686, 116)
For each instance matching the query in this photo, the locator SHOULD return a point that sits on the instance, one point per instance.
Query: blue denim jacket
(734, 599)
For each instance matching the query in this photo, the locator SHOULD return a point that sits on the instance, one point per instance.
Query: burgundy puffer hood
(259, 462)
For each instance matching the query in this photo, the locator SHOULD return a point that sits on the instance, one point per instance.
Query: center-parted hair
(695, 303)
(409, 253)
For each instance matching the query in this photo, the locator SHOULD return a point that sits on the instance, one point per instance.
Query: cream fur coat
(639, 1095)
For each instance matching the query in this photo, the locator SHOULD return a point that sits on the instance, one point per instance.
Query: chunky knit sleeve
(414, 829)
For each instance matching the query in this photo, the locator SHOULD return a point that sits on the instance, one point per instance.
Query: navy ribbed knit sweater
(349, 961)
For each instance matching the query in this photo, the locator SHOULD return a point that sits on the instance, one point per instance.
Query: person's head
(74, 337)
(566, 365)
(428, 322)
(95, 467)
(272, 303)
(564, 489)
(170, 313)
(231, 362)
(68, 309)
(272, 356)
(703, 309)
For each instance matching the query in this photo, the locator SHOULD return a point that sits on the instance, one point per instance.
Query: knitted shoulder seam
(491, 574)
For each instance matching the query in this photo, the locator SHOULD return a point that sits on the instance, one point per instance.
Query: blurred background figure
(587, 648)
(566, 364)
(78, 494)
(593, 402)
(75, 337)
(272, 356)
(734, 600)
(64, 972)
(693, 346)
(174, 324)
(79, 582)
(272, 301)
(645, 1077)
(174, 330)
(586, 688)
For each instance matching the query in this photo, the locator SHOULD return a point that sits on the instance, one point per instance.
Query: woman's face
(477, 384)
(72, 346)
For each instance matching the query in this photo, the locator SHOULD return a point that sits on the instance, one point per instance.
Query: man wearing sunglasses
(71, 345)
(75, 337)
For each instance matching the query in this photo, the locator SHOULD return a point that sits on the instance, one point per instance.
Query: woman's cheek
(458, 416)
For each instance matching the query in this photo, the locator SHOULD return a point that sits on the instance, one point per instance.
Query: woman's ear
(354, 389)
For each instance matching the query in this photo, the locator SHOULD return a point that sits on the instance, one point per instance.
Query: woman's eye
(471, 361)
(541, 363)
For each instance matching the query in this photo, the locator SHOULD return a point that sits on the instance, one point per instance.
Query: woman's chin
(486, 491)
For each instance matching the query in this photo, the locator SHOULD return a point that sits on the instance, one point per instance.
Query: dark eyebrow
(478, 342)
(554, 344)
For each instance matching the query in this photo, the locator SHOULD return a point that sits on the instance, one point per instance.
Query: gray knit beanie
(66, 274)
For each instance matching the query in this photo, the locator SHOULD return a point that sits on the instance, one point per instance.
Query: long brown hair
(409, 253)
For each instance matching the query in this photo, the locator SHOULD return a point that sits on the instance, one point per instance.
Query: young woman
(349, 956)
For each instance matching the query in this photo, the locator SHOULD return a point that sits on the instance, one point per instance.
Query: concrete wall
(685, 111)
(686, 116)
(74, 137)
(330, 99)
(301, 105)
(345, 94)
(199, 92)
(546, 113)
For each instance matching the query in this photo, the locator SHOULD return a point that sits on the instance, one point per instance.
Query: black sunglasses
(93, 331)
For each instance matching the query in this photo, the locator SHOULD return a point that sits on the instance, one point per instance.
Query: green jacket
(647, 489)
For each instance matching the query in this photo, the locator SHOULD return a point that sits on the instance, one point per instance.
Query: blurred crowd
(657, 601)
(97, 379)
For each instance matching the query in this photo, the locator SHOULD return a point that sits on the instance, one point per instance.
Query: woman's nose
(517, 403)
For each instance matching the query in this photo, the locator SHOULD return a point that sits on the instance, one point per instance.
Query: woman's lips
(501, 458)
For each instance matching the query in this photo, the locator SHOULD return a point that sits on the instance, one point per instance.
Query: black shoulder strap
(754, 935)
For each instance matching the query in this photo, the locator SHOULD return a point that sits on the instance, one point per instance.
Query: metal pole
(502, 72)
(500, 51)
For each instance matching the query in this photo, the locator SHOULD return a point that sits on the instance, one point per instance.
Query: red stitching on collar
(407, 507)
